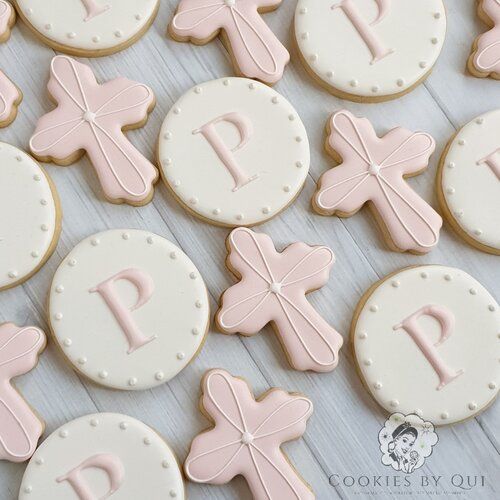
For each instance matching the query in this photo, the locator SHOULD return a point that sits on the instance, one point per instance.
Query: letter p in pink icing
(145, 287)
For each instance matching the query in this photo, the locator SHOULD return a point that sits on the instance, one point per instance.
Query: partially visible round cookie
(469, 182)
(128, 309)
(103, 455)
(426, 341)
(31, 221)
(370, 50)
(88, 28)
(234, 152)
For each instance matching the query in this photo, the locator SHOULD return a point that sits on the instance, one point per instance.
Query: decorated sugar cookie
(255, 49)
(426, 342)
(91, 117)
(21, 427)
(469, 182)
(10, 95)
(273, 288)
(128, 309)
(485, 58)
(373, 170)
(105, 455)
(88, 28)
(7, 20)
(31, 224)
(370, 50)
(247, 436)
(234, 152)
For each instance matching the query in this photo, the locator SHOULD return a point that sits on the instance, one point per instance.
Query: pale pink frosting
(258, 53)
(9, 95)
(247, 437)
(487, 55)
(90, 117)
(273, 288)
(20, 428)
(373, 170)
(5, 15)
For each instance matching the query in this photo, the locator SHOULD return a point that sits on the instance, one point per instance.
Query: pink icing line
(93, 9)
(375, 169)
(446, 320)
(277, 287)
(493, 162)
(243, 16)
(20, 426)
(250, 438)
(487, 57)
(89, 116)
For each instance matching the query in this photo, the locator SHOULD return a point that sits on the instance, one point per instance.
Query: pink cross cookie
(273, 289)
(10, 97)
(90, 117)
(374, 170)
(247, 437)
(485, 58)
(20, 428)
(255, 48)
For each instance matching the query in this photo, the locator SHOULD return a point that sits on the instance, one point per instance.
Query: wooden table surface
(341, 436)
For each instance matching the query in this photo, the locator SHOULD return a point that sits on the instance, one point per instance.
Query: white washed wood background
(342, 434)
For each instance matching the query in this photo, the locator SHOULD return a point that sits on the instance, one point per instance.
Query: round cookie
(29, 234)
(369, 50)
(88, 28)
(102, 455)
(426, 342)
(234, 152)
(468, 182)
(128, 309)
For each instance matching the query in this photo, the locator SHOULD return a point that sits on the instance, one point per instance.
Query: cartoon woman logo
(406, 441)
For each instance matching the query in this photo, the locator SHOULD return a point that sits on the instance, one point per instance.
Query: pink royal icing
(5, 16)
(20, 428)
(493, 162)
(486, 58)
(258, 52)
(90, 117)
(247, 437)
(273, 288)
(373, 170)
(9, 96)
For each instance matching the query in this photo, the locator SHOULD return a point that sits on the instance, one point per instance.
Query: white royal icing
(128, 308)
(471, 179)
(29, 222)
(88, 24)
(102, 455)
(234, 151)
(370, 48)
(427, 341)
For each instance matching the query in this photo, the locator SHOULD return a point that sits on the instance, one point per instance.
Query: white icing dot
(491, 307)
(445, 415)
(305, 35)
(395, 284)
(374, 308)
(354, 83)
(239, 216)
(480, 121)
(424, 275)
(299, 164)
(59, 289)
(291, 117)
(400, 82)
(94, 422)
(123, 425)
(461, 142)
(437, 15)
(423, 64)
(478, 232)
(375, 89)
(35, 254)
(63, 434)
(313, 57)
(473, 291)
(37, 178)
(197, 90)
(266, 210)
(82, 361)
(226, 82)
(199, 304)
(150, 240)
(94, 242)
(458, 213)
(173, 493)
(450, 190)
(251, 86)
(180, 356)
(303, 10)
(48, 26)
(193, 200)
(287, 188)
(173, 255)
(177, 111)
(167, 136)
(58, 316)
(43, 202)
(13, 274)
(72, 263)
(138, 17)
(126, 236)
(368, 362)
(167, 161)
(472, 406)
(147, 441)
(39, 461)
(216, 211)
(44, 228)
(329, 74)
(451, 165)
(118, 34)
(394, 403)
(132, 381)
(275, 100)
(492, 385)
(434, 40)
(67, 342)
(363, 335)
(195, 331)
(377, 385)
(447, 277)
(103, 374)
(71, 35)
(177, 183)
(298, 139)
(96, 39)
(28, 489)
(159, 376)
(165, 464)
(193, 276)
